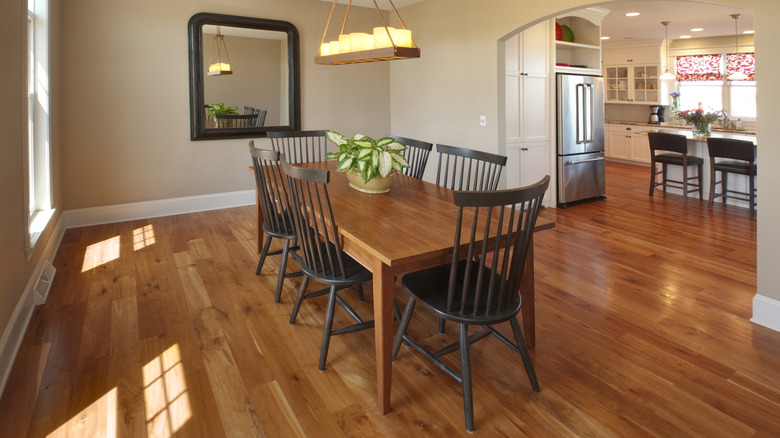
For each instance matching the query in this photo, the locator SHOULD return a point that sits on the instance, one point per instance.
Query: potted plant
(220, 108)
(369, 163)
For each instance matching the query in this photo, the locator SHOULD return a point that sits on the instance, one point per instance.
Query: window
(704, 78)
(37, 157)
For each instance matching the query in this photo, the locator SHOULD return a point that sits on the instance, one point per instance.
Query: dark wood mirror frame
(198, 130)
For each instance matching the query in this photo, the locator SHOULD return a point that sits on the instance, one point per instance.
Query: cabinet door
(645, 55)
(615, 56)
(640, 148)
(619, 145)
(534, 164)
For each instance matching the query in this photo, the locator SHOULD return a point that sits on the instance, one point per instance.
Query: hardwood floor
(643, 308)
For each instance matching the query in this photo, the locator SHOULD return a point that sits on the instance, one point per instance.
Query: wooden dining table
(408, 229)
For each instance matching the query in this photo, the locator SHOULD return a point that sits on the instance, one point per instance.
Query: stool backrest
(664, 141)
(730, 148)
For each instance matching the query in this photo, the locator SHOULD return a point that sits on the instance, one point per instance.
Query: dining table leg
(527, 297)
(384, 294)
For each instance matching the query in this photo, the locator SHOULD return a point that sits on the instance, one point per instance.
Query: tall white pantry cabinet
(530, 68)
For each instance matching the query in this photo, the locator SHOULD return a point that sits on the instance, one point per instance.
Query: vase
(701, 129)
(378, 184)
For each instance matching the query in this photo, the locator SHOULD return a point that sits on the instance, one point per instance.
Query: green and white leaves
(368, 156)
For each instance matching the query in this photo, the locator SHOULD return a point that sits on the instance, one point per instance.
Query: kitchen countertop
(689, 134)
(666, 125)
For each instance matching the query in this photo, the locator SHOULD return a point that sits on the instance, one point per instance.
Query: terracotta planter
(378, 184)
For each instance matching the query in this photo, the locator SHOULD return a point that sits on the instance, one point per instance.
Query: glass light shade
(325, 49)
(344, 43)
(220, 68)
(356, 41)
(666, 75)
(334, 47)
(402, 37)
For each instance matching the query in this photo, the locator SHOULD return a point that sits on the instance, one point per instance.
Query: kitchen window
(38, 154)
(704, 78)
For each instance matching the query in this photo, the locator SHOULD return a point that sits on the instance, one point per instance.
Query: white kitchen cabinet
(632, 84)
(631, 55)
(623, 144)
(528, 110)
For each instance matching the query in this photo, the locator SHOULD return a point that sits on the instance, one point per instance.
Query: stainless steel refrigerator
(580, 122)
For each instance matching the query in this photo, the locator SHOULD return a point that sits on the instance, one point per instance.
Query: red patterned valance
(698, 68)
(744, 62)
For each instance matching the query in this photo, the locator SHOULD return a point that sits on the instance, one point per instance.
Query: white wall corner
(84, 217)
(12, 335)
(766, 312)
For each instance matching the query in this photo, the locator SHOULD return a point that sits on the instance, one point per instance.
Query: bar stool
(740, 158)
(678, 146)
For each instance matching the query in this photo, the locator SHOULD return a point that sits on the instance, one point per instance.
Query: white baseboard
(766, 312)
(84, 217)
(20, 319)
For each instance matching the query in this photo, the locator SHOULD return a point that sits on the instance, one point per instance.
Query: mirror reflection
(243, 78)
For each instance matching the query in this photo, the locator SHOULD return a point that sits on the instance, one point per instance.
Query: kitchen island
(697, 146)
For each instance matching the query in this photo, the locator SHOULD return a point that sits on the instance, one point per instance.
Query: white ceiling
(682, 17)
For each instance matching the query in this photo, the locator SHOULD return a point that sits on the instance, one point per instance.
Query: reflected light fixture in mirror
(219, 67)
(385, 43)
(666, 74)
(737, 75)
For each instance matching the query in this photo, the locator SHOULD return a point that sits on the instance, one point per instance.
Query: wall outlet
(482, 120)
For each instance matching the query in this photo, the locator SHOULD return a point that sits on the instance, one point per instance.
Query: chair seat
(677, 159)
(426, 286)
(281, 228)
(356, 273)
(740, 167)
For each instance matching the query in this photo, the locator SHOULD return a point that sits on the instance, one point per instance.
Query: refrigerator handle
(579, 93)
(587, 111)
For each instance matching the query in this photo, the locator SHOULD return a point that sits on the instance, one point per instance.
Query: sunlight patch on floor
(143, 237)
(98, 420)
(100, 253)
(165, 393)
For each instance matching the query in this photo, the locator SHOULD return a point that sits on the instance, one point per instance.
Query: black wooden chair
(236, 120)
(416, 154)
(732, 156)
(274, 203)
(481, 285)
(300, 146)
(467, 169)
(320, 254)
(676, 153)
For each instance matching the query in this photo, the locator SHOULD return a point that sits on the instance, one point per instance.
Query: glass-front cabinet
(632, 84)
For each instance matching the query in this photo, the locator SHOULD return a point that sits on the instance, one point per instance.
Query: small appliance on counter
(657, 114)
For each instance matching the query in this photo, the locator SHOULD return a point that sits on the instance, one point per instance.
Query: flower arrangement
(699, 120)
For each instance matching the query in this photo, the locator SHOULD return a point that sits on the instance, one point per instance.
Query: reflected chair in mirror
(320, 255)
(480, 287)
(416, 155)
(274, 203)
(732, 156)
(674, 151)
(236, 120)
(467, 169)
(261, 113)
(300, 146)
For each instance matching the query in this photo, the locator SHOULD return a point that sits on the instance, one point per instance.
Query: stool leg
(685, 182)
(664, 166)
(713, 176)
(652, 177)
(724, 185)
(698, 179)
(752, 196)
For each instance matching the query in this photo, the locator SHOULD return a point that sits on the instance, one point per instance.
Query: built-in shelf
(583, 55)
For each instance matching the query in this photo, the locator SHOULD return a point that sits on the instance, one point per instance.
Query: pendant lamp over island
(737, 75)
(666, 74)
(383, 44)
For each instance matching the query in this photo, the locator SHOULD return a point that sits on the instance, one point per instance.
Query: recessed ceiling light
(749, 32)
(697, 29)
(632, 14)
(684, 37)
(605, 38)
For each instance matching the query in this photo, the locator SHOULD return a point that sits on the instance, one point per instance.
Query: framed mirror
(261, 91)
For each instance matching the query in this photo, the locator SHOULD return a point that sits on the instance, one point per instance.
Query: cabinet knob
(523, 149)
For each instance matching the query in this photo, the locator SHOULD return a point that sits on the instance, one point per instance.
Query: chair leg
(442, 322)
(263, 253)
(521, 345)
(282, 271)
(402, 326)
(328, 329)
(465, 375)
(299, 299)
(713, 177)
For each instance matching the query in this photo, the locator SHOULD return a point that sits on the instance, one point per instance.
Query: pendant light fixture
(737, 75)
(666, 74)
(384, 44)
(220, 66)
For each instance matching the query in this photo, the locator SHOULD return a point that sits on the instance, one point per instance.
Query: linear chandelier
(384, 44)
(220, 67)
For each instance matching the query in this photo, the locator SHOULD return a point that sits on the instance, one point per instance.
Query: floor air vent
(44, 283)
